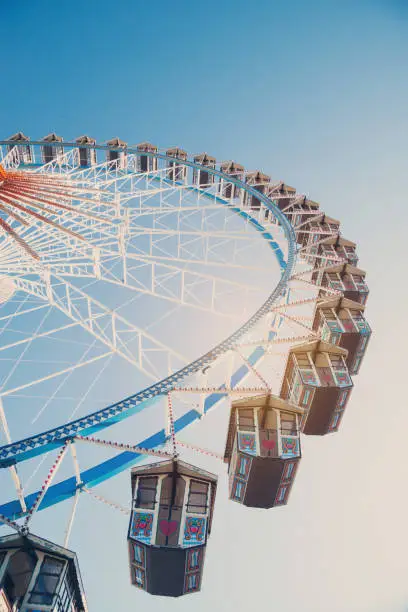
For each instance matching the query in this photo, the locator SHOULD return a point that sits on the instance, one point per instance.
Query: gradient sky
(314, 93)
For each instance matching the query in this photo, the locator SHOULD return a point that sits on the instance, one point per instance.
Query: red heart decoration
(193, 529)
(268, 444)
(168, 527)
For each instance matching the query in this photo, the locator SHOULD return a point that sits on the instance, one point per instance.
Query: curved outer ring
(47, 441)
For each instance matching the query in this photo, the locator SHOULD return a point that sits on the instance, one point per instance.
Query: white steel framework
(84, 248)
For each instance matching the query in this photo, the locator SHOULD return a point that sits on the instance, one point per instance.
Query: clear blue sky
(314, 93)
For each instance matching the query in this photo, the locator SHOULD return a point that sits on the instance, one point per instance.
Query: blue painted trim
(98, 474)
(55, 438)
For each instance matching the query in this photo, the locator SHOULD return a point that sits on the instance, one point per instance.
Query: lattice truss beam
(258, 360)
(139, 231)
(102, 244)
(142, 231)
(113, 330)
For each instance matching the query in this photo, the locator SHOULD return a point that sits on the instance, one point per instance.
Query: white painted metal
(117, 206)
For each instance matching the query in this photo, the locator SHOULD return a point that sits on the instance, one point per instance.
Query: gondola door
(170, 511)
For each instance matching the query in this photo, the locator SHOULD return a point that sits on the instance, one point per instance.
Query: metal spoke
(111, 224)
(71, 520)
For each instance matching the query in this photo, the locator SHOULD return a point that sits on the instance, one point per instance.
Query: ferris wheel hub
(7, 288)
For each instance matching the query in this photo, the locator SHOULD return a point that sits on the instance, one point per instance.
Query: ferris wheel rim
(166, 384)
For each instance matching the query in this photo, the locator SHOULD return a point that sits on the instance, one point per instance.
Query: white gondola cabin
(201, 177)
(86, 152)
(333, 249)
(117, 155)
(313, 232)
(20, 142)
(177, 171)
(286, 194)
(345, 278)
(317, 379)
(52, 149)
(226, 188)
(259, 181)
(262, 450)
(300, 209)
(341, 321)
(146, 163)
(346, 250)
(171, 517)
(37, 575)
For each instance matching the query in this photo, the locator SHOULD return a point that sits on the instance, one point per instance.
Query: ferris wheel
(140, 285)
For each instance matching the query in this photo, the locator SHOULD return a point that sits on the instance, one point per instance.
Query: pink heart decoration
(268, 444)
(168, 527)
